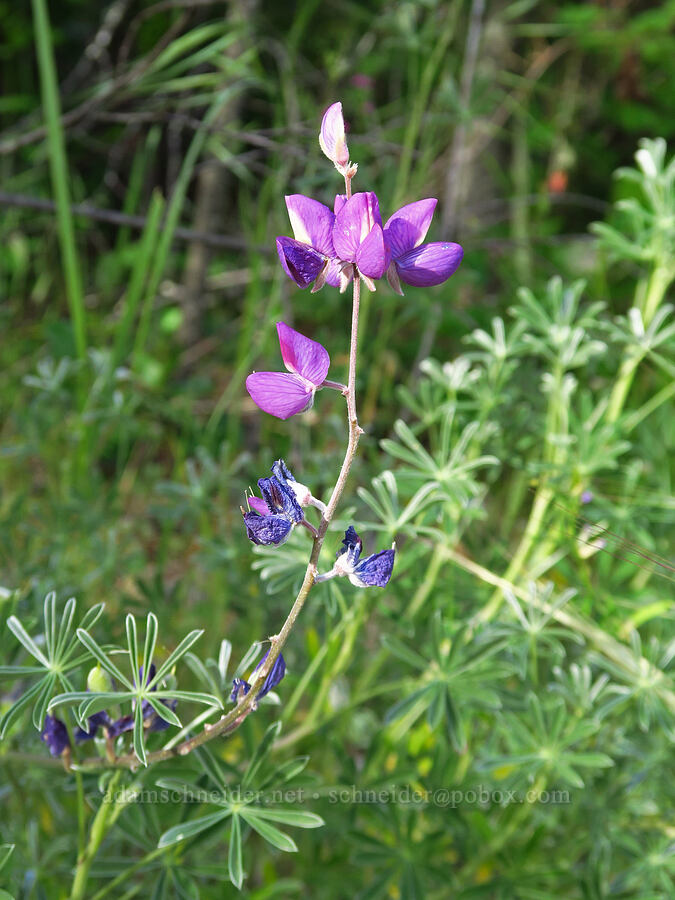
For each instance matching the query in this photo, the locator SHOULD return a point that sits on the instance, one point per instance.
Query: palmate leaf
(241, 802)
(55, 662)
(138, 690)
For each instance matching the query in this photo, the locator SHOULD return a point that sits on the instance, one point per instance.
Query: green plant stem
(656, 288)
(81, 811)
(232, 720)
(59, 174)
(137, 866)
(556, 423)
(108, 811)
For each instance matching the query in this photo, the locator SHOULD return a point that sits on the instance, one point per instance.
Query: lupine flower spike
(284, 394)
(373, 571)
(241, 687)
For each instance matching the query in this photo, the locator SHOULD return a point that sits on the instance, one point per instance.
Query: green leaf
(164, 712)
(271, 834)
(91, 616)
(260, 752)
(399, 649)
(398, 710)
(234, 857)
(192, 697)
(132, 643)
(139, 735)
(22, 635)
(249, 658)
(50, 623)
(20, 704)
(6, 851)
(296, 817)
(151, 626)
(173, 657)
(64, 626)
(190, 829)
(40, 708)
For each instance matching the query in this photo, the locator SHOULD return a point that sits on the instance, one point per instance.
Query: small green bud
(99, 681)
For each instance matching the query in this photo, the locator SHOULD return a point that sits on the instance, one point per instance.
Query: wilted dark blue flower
(55, 735)
(271, 520)
(99, 719)
(241, 687)
(373, 571)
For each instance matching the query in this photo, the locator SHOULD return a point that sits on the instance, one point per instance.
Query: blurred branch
(111, 217)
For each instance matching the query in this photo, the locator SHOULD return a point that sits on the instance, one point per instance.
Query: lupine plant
(349, 245)
(520, 654)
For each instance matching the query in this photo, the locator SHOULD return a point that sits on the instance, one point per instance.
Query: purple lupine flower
(587, 497)
(332, 137)
(241, 687)
(373, 571)
(415, 263)
(55, 735)
(310, 255)
(358, 236)
(284, 394)
(271, 520)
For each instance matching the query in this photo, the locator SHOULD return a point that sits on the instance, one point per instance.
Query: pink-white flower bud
(332, 137)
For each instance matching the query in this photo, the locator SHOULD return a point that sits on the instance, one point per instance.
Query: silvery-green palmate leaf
(55, 662)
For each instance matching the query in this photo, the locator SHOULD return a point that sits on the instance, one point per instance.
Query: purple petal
(302, 355)
(340, 200)
(280, 394)
(333, 273)
(267, 529)
(300, 262)
(354, 222)
(351, 545)
(240, 688)
(375, 570)
(55, 735)
(280, 499)
(408, 227)
(429, 264)
(312, 223)
(259, 506)
(119, 726)
(332, 135)
(275, 675)
(372, 256)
